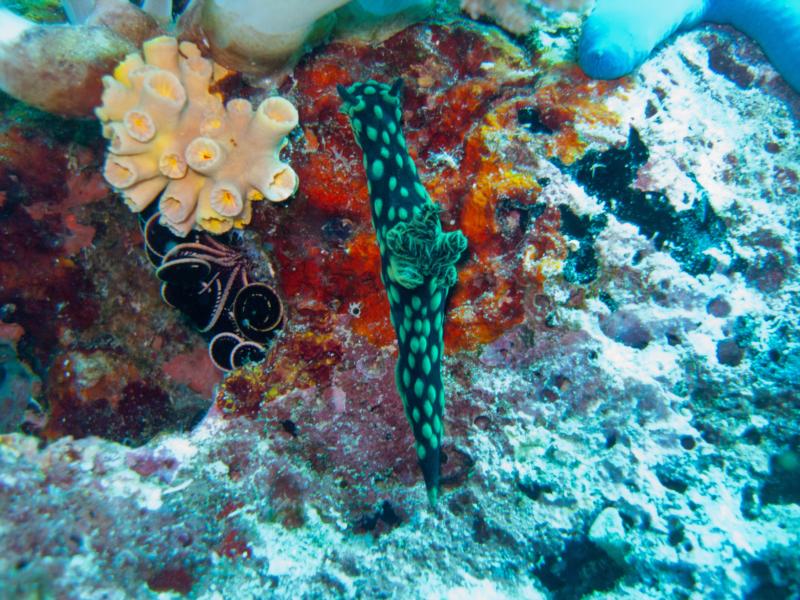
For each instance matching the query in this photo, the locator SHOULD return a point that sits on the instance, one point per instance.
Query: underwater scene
(412, 299)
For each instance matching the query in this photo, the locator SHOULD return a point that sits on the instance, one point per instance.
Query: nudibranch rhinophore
(417, 262)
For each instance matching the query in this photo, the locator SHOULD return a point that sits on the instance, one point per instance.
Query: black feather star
(209, 281)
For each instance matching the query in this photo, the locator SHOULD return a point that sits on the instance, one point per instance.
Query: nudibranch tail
(417, 262)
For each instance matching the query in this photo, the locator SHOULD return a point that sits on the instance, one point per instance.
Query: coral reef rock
(623, 345)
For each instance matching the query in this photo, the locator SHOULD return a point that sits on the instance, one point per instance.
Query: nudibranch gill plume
(417, 262)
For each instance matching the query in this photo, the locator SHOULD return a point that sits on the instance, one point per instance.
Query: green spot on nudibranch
(398, 158)
(390, 216)
(421, 451)
(419, 387)
(412, 362)
(377, 204)
(427, 432)
(414, 345)
(431, 391)
(372, 133)
(402, 212)
(392, 127)
(415, 415)
(426, 328)
(434, 442)
(416, 302)
(428, 408)
(420, 189)
(378, 112)
(437, 424)
(404, 192)
(417, 325)
(406, 377)
(392, 183)
(377, 168)
(385, 152)
(423, 344)
(426, 365)
(385, 137)
(434, 352)
(369, 90)
(436, 300)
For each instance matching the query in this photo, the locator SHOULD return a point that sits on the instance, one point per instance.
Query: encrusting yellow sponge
(170, 137)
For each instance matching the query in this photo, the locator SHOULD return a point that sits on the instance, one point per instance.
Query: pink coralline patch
(194, 369)
(160, 464)
(171, 579)
(41, 233)
(11, 332)
(235, 546)
(100, 393)
(361, 453)
(83, 187)
(81, 235)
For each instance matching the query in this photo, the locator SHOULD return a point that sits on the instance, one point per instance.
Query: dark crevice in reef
(609, 176)
(782, 485)
(384, 519)
(531, 119)
(581, 569)
(581, 264)
(765, 587)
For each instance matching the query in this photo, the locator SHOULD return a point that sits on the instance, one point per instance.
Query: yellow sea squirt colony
(170, 136)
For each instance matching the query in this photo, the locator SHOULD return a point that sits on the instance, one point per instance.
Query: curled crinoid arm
(208, 280)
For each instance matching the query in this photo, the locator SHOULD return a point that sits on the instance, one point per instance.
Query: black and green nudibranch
(417, 262)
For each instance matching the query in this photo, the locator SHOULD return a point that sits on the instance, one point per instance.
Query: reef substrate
(621, 344)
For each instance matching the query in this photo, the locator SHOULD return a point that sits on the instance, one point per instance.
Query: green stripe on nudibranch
(417, 262)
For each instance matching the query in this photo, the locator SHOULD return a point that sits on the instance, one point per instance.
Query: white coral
(170, 136)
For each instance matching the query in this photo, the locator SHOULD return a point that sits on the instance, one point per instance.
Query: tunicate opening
(169, 205)
(239, 106)
(117, 143)
(199, 66)
(119, 173)
(172, 165)
(226, 200)
(139, 125)
(282, 185)
(203, 154)
(280, 111)
(165, 85)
